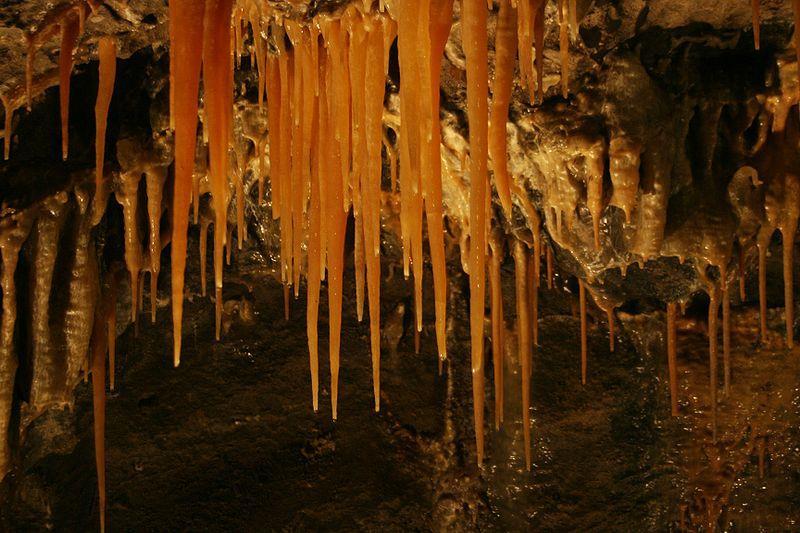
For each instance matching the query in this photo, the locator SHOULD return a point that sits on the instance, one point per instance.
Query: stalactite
(14, 230)
(111, 326)
(756, 9)
(371, 185)
(713, 309)
(274, 110)
(498, 326)
(610, 315)
(69, 38)
(296, 35)
(441, 19)
(524, 343)
(788, 227)
(312, 304)
(335, 71)
(672, 355)
(218, 86)
(474, 35)
(155, 178)
(533, 290)
(505, 52)
(584, 340)
(44, 356)
(525, 37)
(107, 53)
(127, 194)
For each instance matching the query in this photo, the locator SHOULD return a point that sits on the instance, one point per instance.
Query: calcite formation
(585, 135)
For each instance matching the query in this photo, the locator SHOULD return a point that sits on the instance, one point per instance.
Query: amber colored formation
(524, 343)
(107, 53)
(69, 37)
(186, 57)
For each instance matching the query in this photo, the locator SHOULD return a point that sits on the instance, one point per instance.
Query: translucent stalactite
(185, 34)
(756, 10)
(441, 19)
(14, 230)
(312, 303)
(505, 52)
(45, 358)
(524, 343)
(70, 27)
(155, 178)
(474, 36)
(8, 111)
(336, 70)
(107, 53)
(525, 23)
(610, 317)
(218, 85)
(672, 355)
(127, 194)
(498, 327)
(371, 185)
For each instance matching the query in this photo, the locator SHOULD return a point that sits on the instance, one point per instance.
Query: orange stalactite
(312, 304)
(524, 343)
(432, 52)
(505, 53)
(498, 328)
(525, 27)
(218, 85)
(375, 83)
(70, 27)
(610, 316)
(186, 33)
(297, 35)
(155, 184)
(107, 53)
(474, 35)
(756, 9)
(336, 71)
(274, 110)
